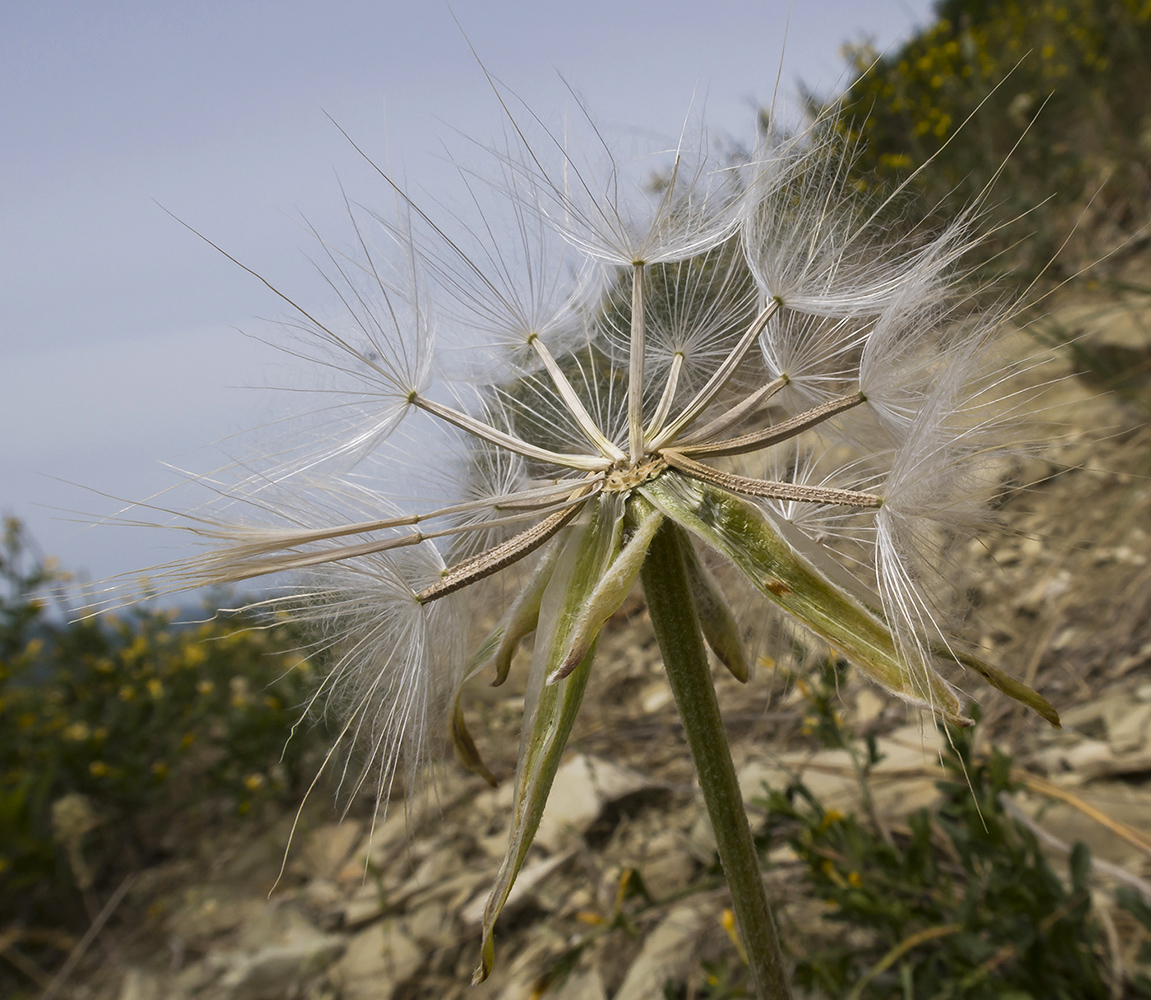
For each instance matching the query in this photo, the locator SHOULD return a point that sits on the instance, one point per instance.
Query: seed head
(755, 351)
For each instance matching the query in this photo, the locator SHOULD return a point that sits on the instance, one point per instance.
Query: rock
(655, 697)
(140, 984)
(439, 867)
(1088, 759)
(271, 972)
(1117, 799)
(376, 961)
(896, 789)
(207, 911)
(327, 849)
(667, 954)
(831, 777)
(1129, 728)
(279, 921)
(366, 905)
(582, 787)
(583, 984)
(531, 875)
(868, 707)
(325, 900)
(431, 923)
(379, 845)
(667, 865)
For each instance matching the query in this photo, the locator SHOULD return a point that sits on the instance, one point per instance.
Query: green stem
(668, 591)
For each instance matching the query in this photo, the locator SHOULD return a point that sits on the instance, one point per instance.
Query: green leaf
(718, 624)
(466, 749)
(523, 616)
(500, 644)
(612, 588)
(586, 552)
(1004, 682)
(740, 531)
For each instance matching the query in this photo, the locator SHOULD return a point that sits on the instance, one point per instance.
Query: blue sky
(128, 345)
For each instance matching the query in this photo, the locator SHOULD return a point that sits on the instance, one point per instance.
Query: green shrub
(1074, 75)
(111, 727)
(962, 903)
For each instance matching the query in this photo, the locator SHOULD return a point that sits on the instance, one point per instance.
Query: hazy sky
(126, 342)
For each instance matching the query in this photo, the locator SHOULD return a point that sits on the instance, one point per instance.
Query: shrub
(110, 727)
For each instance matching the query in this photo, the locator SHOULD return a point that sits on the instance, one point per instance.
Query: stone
(829, 774)
(667, 954)
(376, 961)
(429, 925)
(378, 846)
(1129, 728)
(531, 875)
(1117, 799)
(327, 849)
(140, 984)
(1088, 759)
(368, 903)
(207, 911)
(869, 706)
(667, 866)
(583, 786)
(271, 972)
(583, 984)
(278, 921)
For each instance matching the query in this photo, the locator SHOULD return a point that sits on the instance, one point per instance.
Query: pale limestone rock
(376, 961)
(582, 787)
(327, 849)
(667, 954)
(1129, 727)
(583, 984)
(869, 706)
(271, 972)
(366, 905)
(667, 865)
(207, 911)
(531, 875)
(140, 984)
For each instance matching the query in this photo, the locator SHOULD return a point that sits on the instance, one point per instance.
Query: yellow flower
(194, 655)
(155, 687)
(205, 687)
(127, 693)
(98, 769)
(829, 818)
(254, 782)
(77, 732)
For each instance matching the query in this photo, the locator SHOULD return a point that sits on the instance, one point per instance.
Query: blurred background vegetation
(1051, 100)
(122, 735)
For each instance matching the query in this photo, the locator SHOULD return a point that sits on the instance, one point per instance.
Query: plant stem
(669, 601)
